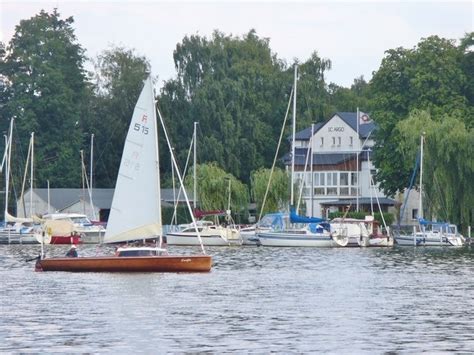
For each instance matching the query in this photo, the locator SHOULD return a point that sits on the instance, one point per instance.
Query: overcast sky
(352, 34)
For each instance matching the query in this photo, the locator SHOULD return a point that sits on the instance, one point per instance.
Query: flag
(364, 118)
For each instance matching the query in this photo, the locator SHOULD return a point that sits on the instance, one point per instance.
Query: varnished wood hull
(167, 263)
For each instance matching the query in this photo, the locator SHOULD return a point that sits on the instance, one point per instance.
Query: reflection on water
(255, 300)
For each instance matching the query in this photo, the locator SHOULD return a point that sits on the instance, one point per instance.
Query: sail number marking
(140, 128)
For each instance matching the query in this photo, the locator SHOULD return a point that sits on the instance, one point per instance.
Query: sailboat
(298, 231)
(212, 232)
(136, 207)
(16, 229)
(430, 233)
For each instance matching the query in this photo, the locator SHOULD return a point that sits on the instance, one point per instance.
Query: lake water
(255, 300)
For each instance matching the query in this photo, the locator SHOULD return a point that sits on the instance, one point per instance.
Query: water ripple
(255, 300)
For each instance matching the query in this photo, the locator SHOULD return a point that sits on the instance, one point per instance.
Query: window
(329, 178)
(414, 213)
(332, 190)
(344, 191)
(333, 141)
(319, 191)
(339, 141)
(353, 179)
(344, 179)
(351, 141)
(319, 179)
(322, 141)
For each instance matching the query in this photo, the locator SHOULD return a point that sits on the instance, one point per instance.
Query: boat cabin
(140, 251)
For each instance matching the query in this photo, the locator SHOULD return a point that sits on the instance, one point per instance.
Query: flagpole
(357, 160)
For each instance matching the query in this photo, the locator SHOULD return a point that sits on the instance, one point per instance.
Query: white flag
(364, 118)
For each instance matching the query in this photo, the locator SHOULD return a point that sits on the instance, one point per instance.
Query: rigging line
(303, 180)
(22, 197)
(378, 203)
(412, 181)
(175, 164)
(276, 155)
(185, 171)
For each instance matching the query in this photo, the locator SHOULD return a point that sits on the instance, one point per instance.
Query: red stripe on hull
(74, 239)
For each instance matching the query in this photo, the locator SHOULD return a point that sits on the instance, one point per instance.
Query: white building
(334, 168)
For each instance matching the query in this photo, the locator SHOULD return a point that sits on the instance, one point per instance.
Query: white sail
(136, 210)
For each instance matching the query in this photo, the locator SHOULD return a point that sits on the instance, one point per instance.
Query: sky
(353, 34)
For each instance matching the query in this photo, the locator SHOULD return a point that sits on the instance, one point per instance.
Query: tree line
(238, 89)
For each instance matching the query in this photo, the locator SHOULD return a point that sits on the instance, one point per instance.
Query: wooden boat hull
(166, 263)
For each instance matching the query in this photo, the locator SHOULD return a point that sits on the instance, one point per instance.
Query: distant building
(78, 201)
(333, 165)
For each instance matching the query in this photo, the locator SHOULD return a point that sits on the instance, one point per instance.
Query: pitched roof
(305, 134)
(349, 117)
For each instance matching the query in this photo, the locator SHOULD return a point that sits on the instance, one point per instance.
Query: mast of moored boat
(293, 150)
(194, 165)
(420, 213)
(7, 168)
(32, 172)
(175, 164)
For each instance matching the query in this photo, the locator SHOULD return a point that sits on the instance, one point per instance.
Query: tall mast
(194, 165)
(312, 174)
(31, 172)
(83, 173)
(157, 160)
(293, 137)
(420, 208)
(357, 160)
(91, 176)
(7, 168)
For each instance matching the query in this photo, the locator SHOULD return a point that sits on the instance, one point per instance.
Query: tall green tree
(448, 166)
(237, 89)
(428, 77)
(213, 186)
(118, 81)
(47, 93)
(278, 193)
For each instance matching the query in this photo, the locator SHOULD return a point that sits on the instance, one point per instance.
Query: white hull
(212, 236)
(192, 239)
(449, 241)
(17, 238)
(289, 239)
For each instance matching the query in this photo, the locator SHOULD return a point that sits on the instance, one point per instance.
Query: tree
(118, 80)
(277, 197)
(427, 77)
(448, 167)
(213, 189)
(48, 94)
(237, 89)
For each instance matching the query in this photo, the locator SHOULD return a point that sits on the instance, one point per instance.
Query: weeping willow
(213, 185)
(278, 194)
(448, 166)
